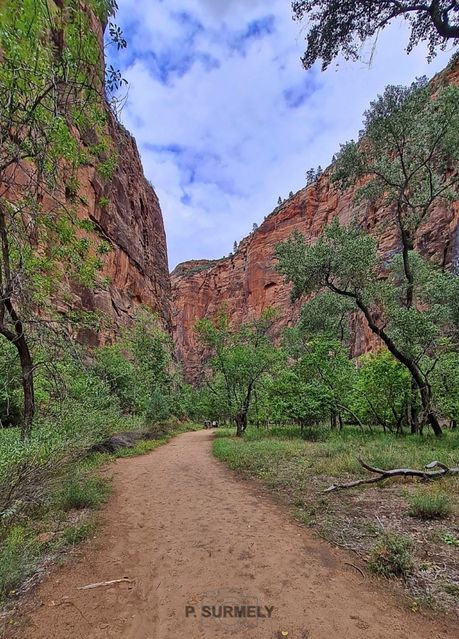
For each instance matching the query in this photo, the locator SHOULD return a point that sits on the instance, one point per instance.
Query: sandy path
(190, 534)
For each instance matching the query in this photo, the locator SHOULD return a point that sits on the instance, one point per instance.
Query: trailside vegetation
(60, 400)
(405, 162)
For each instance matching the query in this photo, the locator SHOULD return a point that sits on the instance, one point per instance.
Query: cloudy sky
(227, 119)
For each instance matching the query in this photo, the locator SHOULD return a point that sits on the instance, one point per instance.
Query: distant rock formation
(246, 283)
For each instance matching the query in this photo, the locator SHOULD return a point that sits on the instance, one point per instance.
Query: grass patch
(19, 553)
(83, 492)
(76, 534)
(335, 455)
(392, 556)
(430, 504)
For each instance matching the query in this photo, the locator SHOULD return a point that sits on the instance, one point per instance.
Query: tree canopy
(338, 27)
(239, 359)
(52, 101)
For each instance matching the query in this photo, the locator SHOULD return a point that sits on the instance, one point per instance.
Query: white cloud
(212, 89)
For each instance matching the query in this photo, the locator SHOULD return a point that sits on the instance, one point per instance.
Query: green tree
(404, 157)
(342, 27)
(139, 369)
(345, 262)
(407, 149)
(51, 95)
(328, 374)
(239, 360)
(382, 390)
(445, 382)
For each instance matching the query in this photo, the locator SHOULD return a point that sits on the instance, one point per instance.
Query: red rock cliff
(136, 267)
(247, 282)
(126, 213)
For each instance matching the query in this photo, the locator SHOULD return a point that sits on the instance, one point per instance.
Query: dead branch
(107, 583)
(397, 472)
(348, 563)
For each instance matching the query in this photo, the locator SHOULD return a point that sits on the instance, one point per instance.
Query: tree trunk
(241, 424)
(435, 424)
(27, 386)
(424, 388)
(16, 334)
(27, 369)
(414, 411)
(18, 339)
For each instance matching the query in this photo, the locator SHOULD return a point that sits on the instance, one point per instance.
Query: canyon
(126, 213)
(246, 283)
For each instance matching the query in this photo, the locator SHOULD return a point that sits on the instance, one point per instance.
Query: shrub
(18, 552)
(392, 557)
(27, 470)
(158, 408)
(428, 504)
(103, 201)
(78, 533)
(80, 492)
(450, 539)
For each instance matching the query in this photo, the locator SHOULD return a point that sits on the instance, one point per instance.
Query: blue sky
(225, 117)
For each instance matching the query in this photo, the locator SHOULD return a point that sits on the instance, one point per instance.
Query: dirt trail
(190, 534)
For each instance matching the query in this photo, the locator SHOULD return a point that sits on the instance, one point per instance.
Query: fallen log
(397, 472)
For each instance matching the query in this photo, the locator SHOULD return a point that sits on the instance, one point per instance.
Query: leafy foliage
(239, 360)
(52, 99)
(138, 369)
(382, 391)
(406, 149)
(392, 556)
(405, 162)
(342, 27)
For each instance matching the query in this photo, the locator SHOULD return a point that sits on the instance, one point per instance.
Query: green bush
(158, 407)
(429, 504)
(78, 533)
(18, 553)
(80, 492)
(392, 556)
(28, 469)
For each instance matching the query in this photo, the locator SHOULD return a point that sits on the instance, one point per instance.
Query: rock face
(126, 213)
(247, 283)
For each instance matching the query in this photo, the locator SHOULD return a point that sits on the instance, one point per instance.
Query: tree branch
(397, 472)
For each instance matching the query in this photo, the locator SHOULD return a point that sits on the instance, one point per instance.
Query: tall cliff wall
(126, 213)
(135, 271)
(246, 283)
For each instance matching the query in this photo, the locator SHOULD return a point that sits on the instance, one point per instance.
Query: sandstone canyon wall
(246, 283)
(126, 213)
